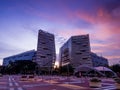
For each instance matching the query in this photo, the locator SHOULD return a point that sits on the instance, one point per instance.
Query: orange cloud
(112, 57)
(85, 16)
(97, 51)
(98, 45)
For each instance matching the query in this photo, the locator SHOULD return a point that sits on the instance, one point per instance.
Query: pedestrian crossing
(13, 85)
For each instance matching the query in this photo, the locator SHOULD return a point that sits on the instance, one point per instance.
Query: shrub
(1, 75)
(24, 76)
(117, 80)
(95, 80)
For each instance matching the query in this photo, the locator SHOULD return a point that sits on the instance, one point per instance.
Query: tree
(116, 68)
(67, 70)
(20, 66)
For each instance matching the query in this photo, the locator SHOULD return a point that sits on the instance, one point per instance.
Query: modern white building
(76, 51)
(28, 55)
(45, 56)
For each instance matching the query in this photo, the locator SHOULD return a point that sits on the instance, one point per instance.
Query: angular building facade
(28, 55)
(98, 60)
(76, 51)
(45, 56)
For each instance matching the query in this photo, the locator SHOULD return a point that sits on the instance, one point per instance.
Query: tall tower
(76, 51)
(45, 56)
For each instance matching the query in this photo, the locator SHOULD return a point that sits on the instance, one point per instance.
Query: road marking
(51, 81)
(34, 85)
(108, 88)
(11, 88)
(73, 82)
(10, 84)
(13, 79)
(9, 79)
(16, 84)
(19, 88)
(105, 88)
(70, 86)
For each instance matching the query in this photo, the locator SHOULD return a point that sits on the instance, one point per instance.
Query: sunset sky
(20, 21)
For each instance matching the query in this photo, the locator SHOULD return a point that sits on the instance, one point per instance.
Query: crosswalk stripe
(19, 88)
(16, 84)
(108, 87)
(11, 88)
(13, 79)
(34, 85)
(9, 79)
(10, 84)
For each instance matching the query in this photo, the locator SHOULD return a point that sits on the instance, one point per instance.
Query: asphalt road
(14, 82)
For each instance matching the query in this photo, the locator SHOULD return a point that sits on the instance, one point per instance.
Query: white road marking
(16, 84)
(9, 79)
(108, 87)
(19, 88)
(10, 84)
(11, 88)
(13, 79)
(34, 85)
(73, 82)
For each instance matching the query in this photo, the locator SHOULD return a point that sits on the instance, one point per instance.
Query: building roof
(21, 53)
(84, 68)
(87, 69)
(101, 68)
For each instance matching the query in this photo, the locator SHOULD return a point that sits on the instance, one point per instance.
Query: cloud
(8, 50)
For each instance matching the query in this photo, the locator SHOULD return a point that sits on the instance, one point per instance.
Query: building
(98, 60)
(28, 55)
(76, 51)
(45, 56)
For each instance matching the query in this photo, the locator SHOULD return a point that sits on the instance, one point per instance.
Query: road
(14, 82)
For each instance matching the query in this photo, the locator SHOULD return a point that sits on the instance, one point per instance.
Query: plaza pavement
(13, 82)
